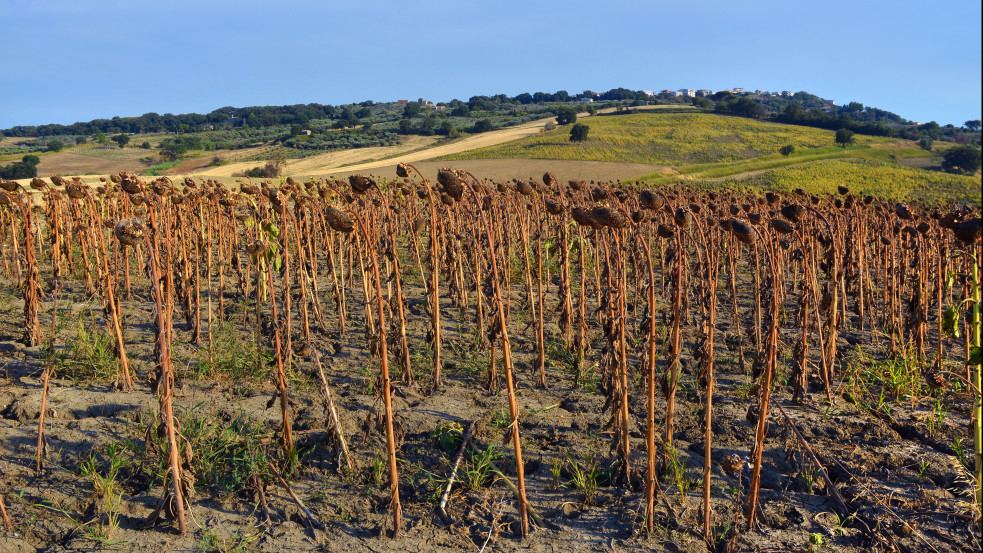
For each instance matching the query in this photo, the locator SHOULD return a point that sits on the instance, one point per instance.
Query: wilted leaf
(950, 322)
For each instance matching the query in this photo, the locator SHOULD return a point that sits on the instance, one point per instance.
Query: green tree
(926, 143)
(170, 152)
(844, 137)
(787, 150)
(973, 125)
(80, 139)
(565, 115)
(101, 137)
(55, 145)
(145, 145)
(482, 125)
(26, 169)
(578, 133)
(591, 109)
(961, 158)
(427, 125)
(700, 102)
(411, 110)
(121, 139)
(445, 128)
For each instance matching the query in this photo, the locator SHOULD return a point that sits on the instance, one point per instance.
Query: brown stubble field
(608, 297)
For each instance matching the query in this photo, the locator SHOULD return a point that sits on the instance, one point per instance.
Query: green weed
(89, 357)
(236, 543)
(584, 478)
(234, 357)
(479, 470)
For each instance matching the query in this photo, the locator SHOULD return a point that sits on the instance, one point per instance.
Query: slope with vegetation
(665, 137)
(710, 149)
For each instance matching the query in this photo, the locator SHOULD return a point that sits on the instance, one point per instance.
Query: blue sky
(65, 61)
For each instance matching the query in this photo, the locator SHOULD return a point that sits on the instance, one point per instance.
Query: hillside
(660, 145)
(711, 150)
(665, 137)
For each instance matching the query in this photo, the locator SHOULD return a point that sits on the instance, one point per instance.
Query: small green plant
(676, 471)
(809, 477)
(236, 543)
(937, 418)
(479, 469)
(816, 541)
(420, 361)
(435, 486)
(743, 390)
(233, 356)
(922, 467)
(367, 379)
(90, 357)
(962, 453)
(107, 486)
(556, 469)
(584, 478)
(501, 419)
(377, 471)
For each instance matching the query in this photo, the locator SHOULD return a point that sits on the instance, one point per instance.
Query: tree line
(419, 117)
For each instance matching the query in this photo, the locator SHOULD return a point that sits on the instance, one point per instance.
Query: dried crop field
(458, 364)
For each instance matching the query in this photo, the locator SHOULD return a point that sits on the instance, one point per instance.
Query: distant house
(705, 92)
(826, 108)
(648, 93)
(686, 92)
(306, 132)
(402, 101)
(787, 94)
(760, 92)
(737, 90)
(586, 100)
(438, 108)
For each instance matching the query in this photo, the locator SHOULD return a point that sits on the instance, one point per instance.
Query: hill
(707, 149)
(664, 137)
(659, 145)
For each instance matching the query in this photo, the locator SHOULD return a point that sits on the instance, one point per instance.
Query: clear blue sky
(68, 60)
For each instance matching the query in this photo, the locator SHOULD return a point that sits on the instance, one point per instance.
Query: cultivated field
(664, 137)
(435, 361)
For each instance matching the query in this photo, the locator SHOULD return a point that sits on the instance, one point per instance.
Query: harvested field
(285, 368)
